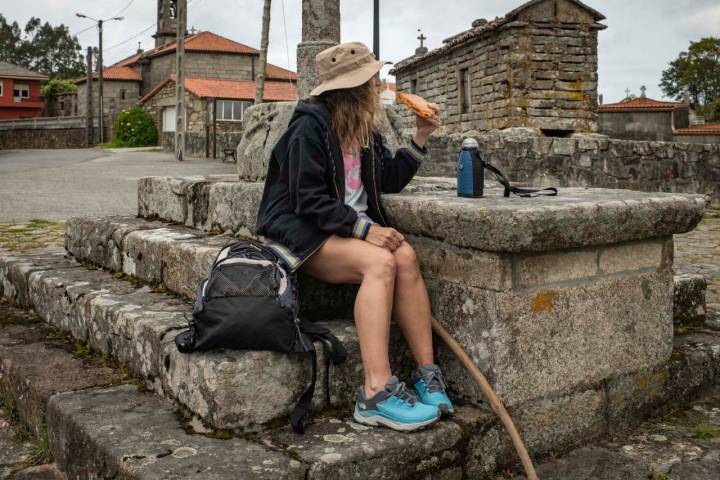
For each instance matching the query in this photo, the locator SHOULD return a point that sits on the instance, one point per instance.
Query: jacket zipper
(377, 195)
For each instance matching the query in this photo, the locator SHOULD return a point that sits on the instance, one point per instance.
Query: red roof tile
(126, 62)
(706, 129)
(273, 72)
(208, 42)
(116, 73)
(231, 89)
(641, 105)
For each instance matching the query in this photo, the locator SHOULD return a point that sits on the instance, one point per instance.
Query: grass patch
(40, 453)
(35, 234)
(705, 432)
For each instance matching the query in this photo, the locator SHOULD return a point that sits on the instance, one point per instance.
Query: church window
(122, 94)
(173, 8)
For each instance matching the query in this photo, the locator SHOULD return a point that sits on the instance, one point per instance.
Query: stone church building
(535, 67)
(229, 67)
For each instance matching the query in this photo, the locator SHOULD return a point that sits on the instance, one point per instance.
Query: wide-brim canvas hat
(346, 65)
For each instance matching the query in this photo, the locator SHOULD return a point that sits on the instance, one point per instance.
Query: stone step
(241, 390)
(95, 429)
(179, 258)
(121, 433)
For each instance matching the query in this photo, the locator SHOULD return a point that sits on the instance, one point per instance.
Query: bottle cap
(469, 144)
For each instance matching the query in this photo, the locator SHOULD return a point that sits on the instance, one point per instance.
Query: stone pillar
(320, 30)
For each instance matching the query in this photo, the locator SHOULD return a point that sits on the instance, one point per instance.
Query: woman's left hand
(426, 126)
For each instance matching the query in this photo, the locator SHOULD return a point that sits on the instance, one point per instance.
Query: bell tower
(166, 22)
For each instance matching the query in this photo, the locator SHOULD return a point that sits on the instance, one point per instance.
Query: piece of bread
(417, 104)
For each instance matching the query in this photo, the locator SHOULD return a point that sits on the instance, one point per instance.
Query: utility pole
(88, 100)
(100, 68)
(180, 80)
(101, 113)
(376, 29)
(260, 75)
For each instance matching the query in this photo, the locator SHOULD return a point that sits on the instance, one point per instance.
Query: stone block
(633, 256)
(143, 251)
(689, 298)
(263, 125)
(345, 449)
(542, 269)
(539, 342)
(123, 433)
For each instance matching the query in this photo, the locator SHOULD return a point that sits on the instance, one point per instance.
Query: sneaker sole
(377, 420)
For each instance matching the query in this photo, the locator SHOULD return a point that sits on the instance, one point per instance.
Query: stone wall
(530, 69)
(197, 143)
(588, 161)
(200, 64)
(57, 132)
(196, 108)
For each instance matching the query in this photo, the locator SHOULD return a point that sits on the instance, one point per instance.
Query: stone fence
(588, 161)
(43, 132)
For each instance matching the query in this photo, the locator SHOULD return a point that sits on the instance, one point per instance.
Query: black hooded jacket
(303, 202)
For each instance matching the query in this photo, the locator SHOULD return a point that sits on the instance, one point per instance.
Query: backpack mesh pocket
(240, 280)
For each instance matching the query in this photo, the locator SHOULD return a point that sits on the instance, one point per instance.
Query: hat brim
(351, 79)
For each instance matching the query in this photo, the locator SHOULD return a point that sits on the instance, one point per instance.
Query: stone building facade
(121, 90)
(63, 104)
(535, 67)
(209, 134)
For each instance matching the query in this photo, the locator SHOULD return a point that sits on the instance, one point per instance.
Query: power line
(83, 30)
(130, 38)
(124, 8)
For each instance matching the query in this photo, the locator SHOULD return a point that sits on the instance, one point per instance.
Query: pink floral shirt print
(355, 194)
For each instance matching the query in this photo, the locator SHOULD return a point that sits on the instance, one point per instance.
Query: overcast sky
(641, 38)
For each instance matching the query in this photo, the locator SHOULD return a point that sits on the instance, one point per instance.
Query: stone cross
(192, 30)
(320, 30)
(627, 93)
(422, 49)
(643, 89)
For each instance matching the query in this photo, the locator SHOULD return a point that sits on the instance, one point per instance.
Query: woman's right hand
(384, 237)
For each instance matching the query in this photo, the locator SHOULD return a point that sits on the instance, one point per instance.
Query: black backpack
(249, 301)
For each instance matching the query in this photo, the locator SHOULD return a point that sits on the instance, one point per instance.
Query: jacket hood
(314, 109)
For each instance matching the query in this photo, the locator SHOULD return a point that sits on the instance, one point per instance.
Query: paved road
(58, 184)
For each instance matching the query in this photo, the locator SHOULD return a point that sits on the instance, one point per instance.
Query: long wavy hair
(353, 114)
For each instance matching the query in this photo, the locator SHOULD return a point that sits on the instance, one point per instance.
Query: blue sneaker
(394, 407)
(430, 387)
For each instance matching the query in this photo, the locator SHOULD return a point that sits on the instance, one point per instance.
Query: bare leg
(348, 260)
(412, 305)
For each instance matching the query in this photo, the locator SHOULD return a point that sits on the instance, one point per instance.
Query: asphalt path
(58, 184)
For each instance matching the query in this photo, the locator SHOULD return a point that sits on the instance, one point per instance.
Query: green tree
(41, 47)
(57, 86)
(696, 71)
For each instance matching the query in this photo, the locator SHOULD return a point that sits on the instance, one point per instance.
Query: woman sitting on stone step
(321, 211)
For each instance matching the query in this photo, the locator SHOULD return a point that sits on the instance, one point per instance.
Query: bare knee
(406, 260)
(381, 265)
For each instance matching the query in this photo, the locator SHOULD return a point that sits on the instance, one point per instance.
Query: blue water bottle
(470, 178)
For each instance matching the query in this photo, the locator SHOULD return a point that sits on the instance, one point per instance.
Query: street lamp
(100, 66)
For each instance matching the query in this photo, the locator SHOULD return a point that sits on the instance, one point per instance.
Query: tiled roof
(642, 105)
(207, 42)
(273, 72)
(231, 89)
(117, 73)
(10, 70)
(128, 61)
(706, 129)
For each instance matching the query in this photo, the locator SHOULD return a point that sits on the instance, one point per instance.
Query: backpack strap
(334, 353)
(520, 192)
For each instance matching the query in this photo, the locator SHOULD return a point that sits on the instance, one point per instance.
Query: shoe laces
(434, 380)
(402, 393)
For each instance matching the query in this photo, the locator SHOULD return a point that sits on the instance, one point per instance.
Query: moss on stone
(32, 235)
(706, 432)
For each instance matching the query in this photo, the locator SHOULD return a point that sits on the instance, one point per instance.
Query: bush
(135, 128)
